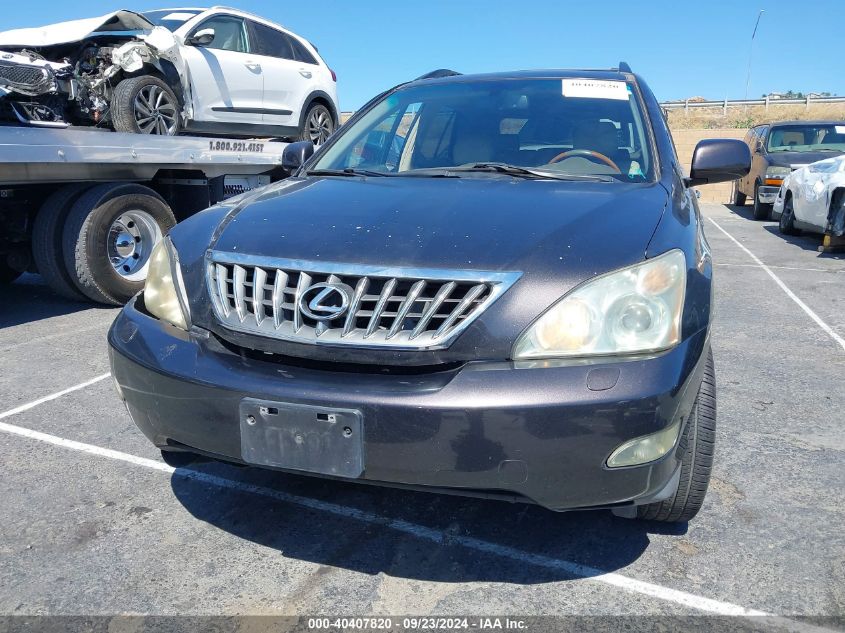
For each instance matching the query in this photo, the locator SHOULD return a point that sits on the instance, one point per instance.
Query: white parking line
(52, 396)
(419, 531)
(806, 270)
(815, 317)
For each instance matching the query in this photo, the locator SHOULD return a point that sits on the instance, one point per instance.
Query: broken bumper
(532, 431)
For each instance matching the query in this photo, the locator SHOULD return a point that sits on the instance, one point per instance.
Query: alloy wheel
(319, 126)
(155, 112)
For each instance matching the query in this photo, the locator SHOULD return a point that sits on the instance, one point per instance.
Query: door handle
(252, 65)
(305, 73)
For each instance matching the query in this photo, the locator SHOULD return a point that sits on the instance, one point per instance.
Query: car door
(227, 80)
(287, 80)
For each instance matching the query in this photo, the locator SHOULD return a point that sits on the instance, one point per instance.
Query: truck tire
(317, 124)
(47, 235)
(697, 462)
(108, 238)
(761, 211)
(145, 105)
(739, 197)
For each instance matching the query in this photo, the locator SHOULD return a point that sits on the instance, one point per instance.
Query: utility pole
(751, 53)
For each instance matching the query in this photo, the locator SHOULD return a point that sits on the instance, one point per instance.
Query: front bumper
(524, 430)
(767, 194)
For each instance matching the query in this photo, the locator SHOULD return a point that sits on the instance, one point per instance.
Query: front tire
(697, 462)
(786, 224)
(318, 124)
(739, 197)
(761, 211)
(145, 105)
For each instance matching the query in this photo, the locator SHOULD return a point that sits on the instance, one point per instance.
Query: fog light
(645, 449)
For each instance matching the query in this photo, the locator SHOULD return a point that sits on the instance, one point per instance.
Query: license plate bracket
(322, 440)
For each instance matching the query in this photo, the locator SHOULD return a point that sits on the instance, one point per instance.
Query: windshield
(807, 138)
(171, 19)
(578, 127)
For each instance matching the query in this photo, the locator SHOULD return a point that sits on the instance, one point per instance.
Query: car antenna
(624, 67)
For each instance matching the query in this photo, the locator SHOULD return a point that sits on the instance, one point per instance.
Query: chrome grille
(406, 308)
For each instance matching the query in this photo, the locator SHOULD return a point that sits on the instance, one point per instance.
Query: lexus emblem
(325, 301)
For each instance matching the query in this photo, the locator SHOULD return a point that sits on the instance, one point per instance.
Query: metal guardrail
(732, 103)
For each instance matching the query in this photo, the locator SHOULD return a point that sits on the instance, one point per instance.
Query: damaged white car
(812, 198)
(205, 71)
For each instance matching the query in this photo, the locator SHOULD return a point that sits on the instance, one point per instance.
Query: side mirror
(295, 154)
(718, 160)
(203, 37)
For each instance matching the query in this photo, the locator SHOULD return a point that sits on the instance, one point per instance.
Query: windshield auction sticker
(595, 89)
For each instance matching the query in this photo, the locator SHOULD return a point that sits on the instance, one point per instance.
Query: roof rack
(624, 67)
(437, 74)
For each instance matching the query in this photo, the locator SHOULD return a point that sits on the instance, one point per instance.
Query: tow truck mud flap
(302, 437)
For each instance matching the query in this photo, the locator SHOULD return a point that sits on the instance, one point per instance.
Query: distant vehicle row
(207, 71)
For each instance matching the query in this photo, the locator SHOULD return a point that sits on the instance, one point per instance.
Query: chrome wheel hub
(131, 239)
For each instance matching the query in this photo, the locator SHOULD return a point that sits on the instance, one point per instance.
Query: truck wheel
(109, 235)
(699, 438)
(7, 273)
(318, 124)
(739, 197)
(47, 232)
(145, 105)
(786, 223)
(761, 211)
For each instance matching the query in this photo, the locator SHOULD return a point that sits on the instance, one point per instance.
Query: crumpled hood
(74, 30)
(787, 159)
(536, 227)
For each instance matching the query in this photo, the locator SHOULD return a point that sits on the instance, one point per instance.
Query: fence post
(808, 104)
(767, 103)
(725, 108)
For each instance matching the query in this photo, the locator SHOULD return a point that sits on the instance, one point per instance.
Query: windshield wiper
(513, 170)
(346, 171)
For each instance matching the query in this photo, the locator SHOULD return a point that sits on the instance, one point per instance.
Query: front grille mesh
(411, 310)
(21, 76)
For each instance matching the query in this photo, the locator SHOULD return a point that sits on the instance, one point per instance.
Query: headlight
(777, 173)
(162, 292)
(633, 310)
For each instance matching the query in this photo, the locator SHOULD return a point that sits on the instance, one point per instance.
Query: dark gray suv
(492, 284)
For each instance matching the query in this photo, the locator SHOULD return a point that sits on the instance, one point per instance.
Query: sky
(682, 49)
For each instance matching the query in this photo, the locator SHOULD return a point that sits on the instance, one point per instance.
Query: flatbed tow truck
(85, 207)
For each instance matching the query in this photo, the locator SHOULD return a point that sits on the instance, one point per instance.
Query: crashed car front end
(66, 74)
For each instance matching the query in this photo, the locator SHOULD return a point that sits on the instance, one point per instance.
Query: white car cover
(812, 188)
(74, 30)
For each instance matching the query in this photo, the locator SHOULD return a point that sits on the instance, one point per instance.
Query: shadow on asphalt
(805, 241)
(29, 299)
(594, 539)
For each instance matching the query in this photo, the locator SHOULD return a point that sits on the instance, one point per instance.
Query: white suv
(208, 71)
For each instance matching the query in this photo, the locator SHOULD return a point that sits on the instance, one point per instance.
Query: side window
(229, 33)
(764, 132)
(301, 53)
(270, 42)
(383, 146)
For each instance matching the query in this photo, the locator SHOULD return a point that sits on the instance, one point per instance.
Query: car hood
(787, 159)
(74, 30)
(555, 234)
(491, 224)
